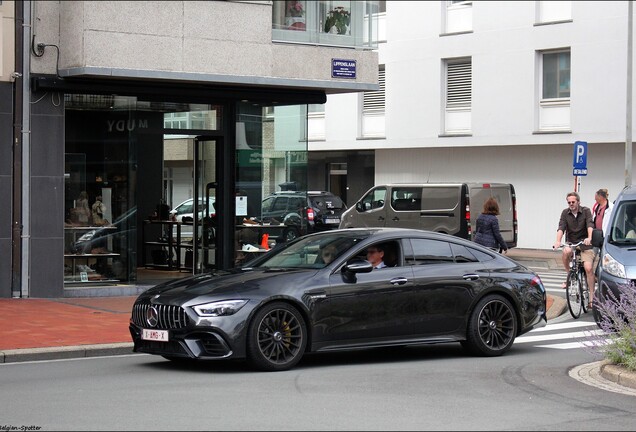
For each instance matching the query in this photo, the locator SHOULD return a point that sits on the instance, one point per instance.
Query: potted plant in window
(338, 21)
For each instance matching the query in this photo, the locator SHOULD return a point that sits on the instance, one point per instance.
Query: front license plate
(154, 335)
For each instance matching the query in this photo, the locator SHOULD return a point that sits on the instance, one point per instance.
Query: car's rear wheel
(492, 327)
(277, 337)
(290, 234)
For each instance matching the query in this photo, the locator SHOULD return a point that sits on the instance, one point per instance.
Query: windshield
(313, 251)
(623, 227)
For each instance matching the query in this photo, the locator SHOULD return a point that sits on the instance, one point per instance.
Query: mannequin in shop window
(98, 210)
(82, 211)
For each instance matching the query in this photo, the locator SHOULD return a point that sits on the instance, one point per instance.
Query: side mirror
(597, 238)
(357, 266)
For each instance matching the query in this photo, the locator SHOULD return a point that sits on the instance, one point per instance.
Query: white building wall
(503, 145)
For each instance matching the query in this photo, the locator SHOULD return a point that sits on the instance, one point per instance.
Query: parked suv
(303, 212)
(617, 266)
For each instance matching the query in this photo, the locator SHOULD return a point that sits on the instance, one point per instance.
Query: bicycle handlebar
(570, 245)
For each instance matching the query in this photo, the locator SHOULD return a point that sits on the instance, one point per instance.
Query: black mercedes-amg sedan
(339, 290)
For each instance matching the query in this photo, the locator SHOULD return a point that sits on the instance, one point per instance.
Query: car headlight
(219, 308)
(613, 267)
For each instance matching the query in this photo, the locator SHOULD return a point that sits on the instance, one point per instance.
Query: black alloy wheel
(290, 234)
(492, 327)
(276, 338)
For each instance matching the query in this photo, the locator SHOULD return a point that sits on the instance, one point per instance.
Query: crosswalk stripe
(570, 335)
(564, 325)
(567, 345)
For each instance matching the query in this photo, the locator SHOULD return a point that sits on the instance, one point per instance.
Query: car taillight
(310, 214)
(536, 281)
(467, 216)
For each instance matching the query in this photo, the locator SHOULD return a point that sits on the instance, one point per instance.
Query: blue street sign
(580, 156)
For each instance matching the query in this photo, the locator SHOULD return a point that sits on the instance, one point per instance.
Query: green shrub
(617, 342)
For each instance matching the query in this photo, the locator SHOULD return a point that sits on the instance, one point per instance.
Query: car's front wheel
(492, 327)
(277, 337)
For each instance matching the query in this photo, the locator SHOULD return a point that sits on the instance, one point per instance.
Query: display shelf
(77, 266)
(164, 250)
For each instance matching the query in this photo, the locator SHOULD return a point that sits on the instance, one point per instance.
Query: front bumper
(610, 286)
(196, 344)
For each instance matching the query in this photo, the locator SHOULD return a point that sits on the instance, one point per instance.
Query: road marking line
(572, 335)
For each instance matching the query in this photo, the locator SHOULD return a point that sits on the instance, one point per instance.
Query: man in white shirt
(601, 210)
(375, 255)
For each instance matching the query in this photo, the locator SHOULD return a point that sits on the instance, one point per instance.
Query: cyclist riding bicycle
(576, 223)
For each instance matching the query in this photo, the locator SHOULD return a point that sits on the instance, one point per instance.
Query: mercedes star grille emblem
(152, 316)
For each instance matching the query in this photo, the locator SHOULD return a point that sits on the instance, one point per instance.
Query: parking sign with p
(579, 165)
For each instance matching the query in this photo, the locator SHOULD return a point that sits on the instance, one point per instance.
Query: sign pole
(576, 181)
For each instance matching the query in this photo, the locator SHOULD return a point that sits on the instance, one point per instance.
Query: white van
(450, 208)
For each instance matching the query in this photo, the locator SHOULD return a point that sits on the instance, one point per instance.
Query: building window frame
(373, 109)
(457, 89)
(554, 90)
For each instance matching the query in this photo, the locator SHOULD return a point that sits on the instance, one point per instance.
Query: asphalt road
(424, 388)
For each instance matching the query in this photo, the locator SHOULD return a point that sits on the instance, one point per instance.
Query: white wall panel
(541, 175)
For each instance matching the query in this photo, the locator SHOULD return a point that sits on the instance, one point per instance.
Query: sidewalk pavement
(44, 329)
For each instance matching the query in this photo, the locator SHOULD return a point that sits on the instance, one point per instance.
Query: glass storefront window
(116, 157)
(142, 185)
(271, 177)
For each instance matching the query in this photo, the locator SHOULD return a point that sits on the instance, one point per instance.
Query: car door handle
(381, 218)
(471, 277)
(399, 281)
(395, 219)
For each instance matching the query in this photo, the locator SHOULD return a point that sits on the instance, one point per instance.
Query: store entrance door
(205, 256)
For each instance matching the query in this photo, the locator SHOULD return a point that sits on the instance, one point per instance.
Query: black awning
(178, 91)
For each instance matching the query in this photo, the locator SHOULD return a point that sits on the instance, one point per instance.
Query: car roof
(400, 232)
(628, 192)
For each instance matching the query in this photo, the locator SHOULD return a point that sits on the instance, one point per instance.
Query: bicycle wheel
(573, 294)
(585, 291)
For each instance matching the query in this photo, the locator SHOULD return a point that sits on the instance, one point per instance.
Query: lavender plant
(617, 341)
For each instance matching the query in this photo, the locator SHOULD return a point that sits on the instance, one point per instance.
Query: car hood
(253, 283)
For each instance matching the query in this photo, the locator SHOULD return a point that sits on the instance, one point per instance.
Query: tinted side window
(280, 204)
(406, 198)
(186, 208)
(327, 202)
(297, 203)
(374, 199)
(468, 254)
(623, 227)
(462, 253)
(427, 251)
(440, 198)
(267, 204)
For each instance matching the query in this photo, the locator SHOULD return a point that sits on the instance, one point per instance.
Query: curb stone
(68, 352)
(591, 374)
(619, 375)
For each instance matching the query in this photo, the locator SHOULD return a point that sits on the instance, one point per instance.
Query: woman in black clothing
(487, 230)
